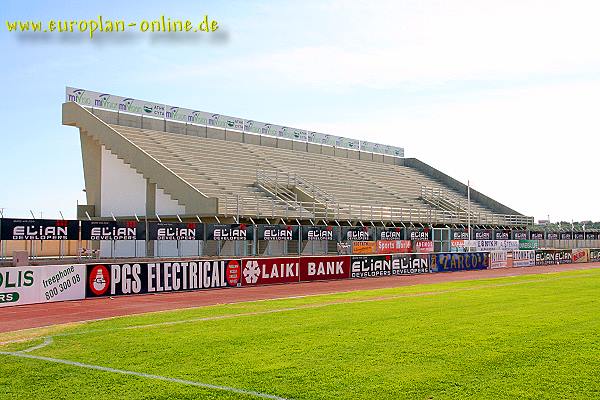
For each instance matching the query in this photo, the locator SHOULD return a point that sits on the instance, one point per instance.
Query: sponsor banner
(318, 232)
(50, 283)
(229, 232)
(442, 262)
(523, 258)
(536, 235)
(566, 236)
(367, 146)
(578, 236)
(88, 98)
(398, 264)
(545, 257)
(344, 248)
(564, 256)
(265, 271)
(528, 244)
(364, 247)
(346, 143)
(390, 233)
(324, 268)
(225, 122)
(419, 234)
(393, 246)
(458, 245)
(278, 232)
(502, 234)
(393, 151)
(320, 138)
(548, 257)
(357, 233)
(580, 255)
(141, 278)
(459, 234)
(113, 230)
(111, 102)
(520, 235)
(594, 255)
(175, 231)
(186, 115)
(482, 234)
(552, 236)
(498, 259)
(591, 236)
(489, 245)
(38, 229)
(423, 246)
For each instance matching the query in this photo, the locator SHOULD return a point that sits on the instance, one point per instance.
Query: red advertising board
(394, 246)
(324, 268)
(423, 246)
(266, 271)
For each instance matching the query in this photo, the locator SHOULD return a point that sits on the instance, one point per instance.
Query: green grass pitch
(530, 337)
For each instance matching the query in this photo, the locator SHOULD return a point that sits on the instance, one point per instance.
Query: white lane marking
(320, 305)
(144, 375)
(534, 271)
(297, 308)
(47, 341)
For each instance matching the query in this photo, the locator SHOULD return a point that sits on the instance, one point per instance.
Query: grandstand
(150, 166)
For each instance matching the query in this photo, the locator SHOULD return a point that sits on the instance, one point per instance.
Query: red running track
(39, 315)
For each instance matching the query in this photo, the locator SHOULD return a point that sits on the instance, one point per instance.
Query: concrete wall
(268, 141)
(251, 139)
(458, 186)
(123, 193)
(133, 121)
(284, 144)
(123, 188)
(234, 136)
(237, 136)
(153, 124)
(215, 133)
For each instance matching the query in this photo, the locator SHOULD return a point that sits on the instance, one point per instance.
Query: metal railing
(245, 206)
(443, 199)
(277, 184)
(281, 184)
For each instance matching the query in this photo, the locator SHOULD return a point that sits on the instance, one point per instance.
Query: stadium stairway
(224, 175)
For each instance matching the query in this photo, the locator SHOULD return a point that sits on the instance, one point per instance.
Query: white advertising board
(41, 284)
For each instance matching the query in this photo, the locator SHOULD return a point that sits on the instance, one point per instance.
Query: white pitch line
(319, 305)
(144, 375)
(47, 341)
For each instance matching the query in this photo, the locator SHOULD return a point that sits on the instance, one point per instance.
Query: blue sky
(502, 93)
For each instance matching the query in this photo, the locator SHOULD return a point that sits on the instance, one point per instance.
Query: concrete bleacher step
(359, 183)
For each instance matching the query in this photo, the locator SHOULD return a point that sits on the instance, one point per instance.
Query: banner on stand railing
(175, 231)
(317, 232)
(229, 232)
(390, 233)
(38, 229)
(113, 230)
(357, 233)
(278, 232)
